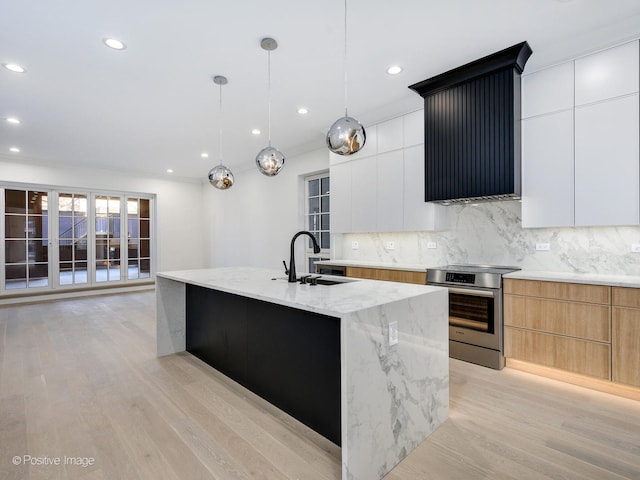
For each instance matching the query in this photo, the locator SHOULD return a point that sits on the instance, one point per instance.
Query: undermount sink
(317, 280)
(326, 281)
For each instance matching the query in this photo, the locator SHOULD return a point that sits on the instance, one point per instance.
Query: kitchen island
(389, 340)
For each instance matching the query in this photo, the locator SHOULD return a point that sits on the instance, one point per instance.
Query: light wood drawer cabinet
(581, 320)
(404, 276)
(559, 325)
(626, 297)
(575, 292)
(572, 354)
(626, 336)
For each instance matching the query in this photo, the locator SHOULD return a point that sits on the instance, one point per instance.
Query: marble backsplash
(492, 233)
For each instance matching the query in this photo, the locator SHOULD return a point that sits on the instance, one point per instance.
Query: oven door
(475, 316)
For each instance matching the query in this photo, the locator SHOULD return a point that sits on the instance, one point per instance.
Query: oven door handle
(474, 293)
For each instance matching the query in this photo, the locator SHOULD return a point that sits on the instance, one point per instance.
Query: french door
(60, 239)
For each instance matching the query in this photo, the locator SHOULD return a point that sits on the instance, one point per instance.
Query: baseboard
(75, 293)
(576, 379)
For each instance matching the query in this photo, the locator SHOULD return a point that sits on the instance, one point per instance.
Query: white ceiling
(154, 106)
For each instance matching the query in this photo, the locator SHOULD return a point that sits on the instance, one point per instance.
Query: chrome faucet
(292, 260)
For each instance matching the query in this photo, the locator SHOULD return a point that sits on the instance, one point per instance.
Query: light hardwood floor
(79, 378)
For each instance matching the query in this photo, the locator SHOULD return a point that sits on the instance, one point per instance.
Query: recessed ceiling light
(303, 111)
(13, 120)
(169, 170)
(394, 70)
(14, 67)
(255, 131)
(204, 155)
(114, 43)
(14, 150)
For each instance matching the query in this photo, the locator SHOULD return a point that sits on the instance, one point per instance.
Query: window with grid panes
(51, 239)
(317, 211)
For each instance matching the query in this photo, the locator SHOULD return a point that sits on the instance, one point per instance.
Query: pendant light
(220, 176)
(346, 136)
(269, 160)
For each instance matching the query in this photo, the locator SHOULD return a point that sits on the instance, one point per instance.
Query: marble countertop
(568, 277)
(366, 264)
(589, 278)
(272, 286)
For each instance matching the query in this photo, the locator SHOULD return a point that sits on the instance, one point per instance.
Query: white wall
(252, 223)
(180, 214)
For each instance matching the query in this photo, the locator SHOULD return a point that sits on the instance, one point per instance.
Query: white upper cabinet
(390, 135)
(414, 129)
(340, 217)
(548, 90)
(390, 202)
(581, 162)
(607, 180)
(384, 191)
(418, 214)
(364, 181)
(547, 170)
(607, 74)
(547, 148)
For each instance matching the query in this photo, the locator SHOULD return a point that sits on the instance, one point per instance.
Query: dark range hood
(472, 129)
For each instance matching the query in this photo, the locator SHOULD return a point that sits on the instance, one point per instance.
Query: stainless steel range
(475, 311)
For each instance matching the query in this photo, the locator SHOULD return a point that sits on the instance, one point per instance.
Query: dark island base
(289, 357)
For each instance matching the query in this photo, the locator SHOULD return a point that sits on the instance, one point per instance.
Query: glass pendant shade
(270, 161)
(346, 136)
(221, 177)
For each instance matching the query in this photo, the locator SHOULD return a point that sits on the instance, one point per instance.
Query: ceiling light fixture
(220, 176)
(13, 120)
(394, 69)
(303, 111)
(14, 67)
(269, 160)
(114, 43)
(347, 135)
(204, 155)
(14, 150)
(169, 170)
(255, 131)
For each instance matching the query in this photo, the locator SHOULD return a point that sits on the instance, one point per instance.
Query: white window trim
(324, 252)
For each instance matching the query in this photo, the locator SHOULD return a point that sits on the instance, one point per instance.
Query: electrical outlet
(635, 247)
(543, 247)
(355, 245)
(432, 245)
(390, 245)
(393, 333)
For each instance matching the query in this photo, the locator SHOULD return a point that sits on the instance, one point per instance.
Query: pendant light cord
(220, 129)
(269, 91)
(344, 59)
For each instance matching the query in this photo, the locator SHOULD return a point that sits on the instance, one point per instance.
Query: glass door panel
(72, 238)
(26, 243)
(138, 238)
(108, 242)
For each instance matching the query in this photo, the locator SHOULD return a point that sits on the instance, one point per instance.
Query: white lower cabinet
(547, 170)
(390, 201)
(607, 177)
